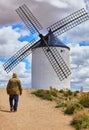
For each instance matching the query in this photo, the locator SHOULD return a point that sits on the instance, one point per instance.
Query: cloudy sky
(14, 35)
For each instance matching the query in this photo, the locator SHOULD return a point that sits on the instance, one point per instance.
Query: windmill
(60, 68)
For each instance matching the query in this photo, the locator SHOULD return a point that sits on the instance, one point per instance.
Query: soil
(33, 114)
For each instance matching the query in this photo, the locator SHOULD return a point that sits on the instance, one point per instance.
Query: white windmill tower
(43, 74)
(50, 57)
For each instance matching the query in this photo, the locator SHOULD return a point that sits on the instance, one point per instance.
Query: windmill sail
(55, 59)
(19, 56)
(57, 62)
(69, 22)
(28, 18)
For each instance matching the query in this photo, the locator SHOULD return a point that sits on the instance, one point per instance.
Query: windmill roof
(53, 41)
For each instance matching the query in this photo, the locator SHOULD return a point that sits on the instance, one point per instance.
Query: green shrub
(54, 92)
(81, 120)
(61, 91)
(68, 93)
(44, 94)
(72, 107)
(75, 93)
(61, 104)
(84, 99)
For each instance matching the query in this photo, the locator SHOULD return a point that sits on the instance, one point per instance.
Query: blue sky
(14, 35)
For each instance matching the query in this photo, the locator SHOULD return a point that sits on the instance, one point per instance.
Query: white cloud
(77, 34)
(64, 3)
(9, 45)
(58, 3)
(80, 65)
(23, 75)
(86, 4)
(47, 11)
(9, 41)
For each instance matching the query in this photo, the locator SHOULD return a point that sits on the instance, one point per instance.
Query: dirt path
(33, 114)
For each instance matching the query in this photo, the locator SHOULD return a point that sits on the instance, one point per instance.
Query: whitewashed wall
(43, 75)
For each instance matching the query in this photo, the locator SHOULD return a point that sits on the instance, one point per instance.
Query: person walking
(14, 89)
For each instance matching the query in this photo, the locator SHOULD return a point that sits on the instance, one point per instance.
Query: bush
(61, 91)
(81, 120)
(53, 92)
(84, 99)
(61, 104)
(44, 94)
(75, 93)
(68, 93)
(72, 107)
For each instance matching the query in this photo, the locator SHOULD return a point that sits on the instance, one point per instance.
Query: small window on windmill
(62, 50)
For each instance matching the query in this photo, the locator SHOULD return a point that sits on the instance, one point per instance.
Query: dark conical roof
(53, 41)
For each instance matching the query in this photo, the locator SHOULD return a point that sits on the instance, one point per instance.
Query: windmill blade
(19, 56)
(69, 22)
(57, 62)
(29, 19)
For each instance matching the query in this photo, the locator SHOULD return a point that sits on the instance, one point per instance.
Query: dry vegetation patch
(71, 103)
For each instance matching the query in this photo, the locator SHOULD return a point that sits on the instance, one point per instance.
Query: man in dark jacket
(14, 89)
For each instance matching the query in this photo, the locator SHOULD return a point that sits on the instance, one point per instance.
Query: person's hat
(14, 75)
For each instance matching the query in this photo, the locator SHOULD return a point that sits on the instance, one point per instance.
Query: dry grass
(74, 103)
(81, 120)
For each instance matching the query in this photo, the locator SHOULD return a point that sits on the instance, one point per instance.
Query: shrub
(68, 93)
(53, 92)
(72, 107)
(80, 120)
(75, 93)
(44, 94)
(61, 91)
(84, 99)
(61, 104)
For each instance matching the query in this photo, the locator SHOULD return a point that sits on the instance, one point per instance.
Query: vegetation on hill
(71, 103)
